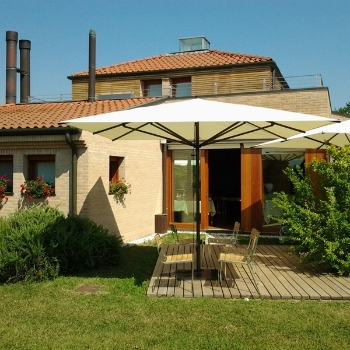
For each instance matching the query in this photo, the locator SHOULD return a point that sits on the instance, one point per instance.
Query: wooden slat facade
(278, 274)
(204, 82)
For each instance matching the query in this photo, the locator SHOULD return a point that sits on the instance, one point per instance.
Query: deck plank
(278, 275)
(317, 281)
(277, 266)
(302, 281)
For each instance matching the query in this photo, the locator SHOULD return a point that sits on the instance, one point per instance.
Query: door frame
(204, 190)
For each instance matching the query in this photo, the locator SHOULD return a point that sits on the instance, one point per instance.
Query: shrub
(23, 254)
(318, 213)
(40, 243)
(78, 243)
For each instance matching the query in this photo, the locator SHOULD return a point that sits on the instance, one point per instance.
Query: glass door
(183, 189)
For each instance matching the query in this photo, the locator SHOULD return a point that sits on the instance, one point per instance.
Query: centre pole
(198, 221)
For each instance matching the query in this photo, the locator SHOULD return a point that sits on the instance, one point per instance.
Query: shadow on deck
(278, 274)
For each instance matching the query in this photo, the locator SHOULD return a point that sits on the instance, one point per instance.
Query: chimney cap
(11, 36)
(24, 44)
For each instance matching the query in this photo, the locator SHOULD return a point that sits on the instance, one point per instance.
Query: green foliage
(79, 244)
(39, 243)
(23, 256)
(318, 213)
(345, 110)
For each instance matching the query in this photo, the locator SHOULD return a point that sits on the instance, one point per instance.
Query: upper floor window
(181, 87)
(42, 165)
(152, 88)
(6, 168)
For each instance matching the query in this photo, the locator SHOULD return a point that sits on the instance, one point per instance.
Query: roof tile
(179, 60)
(47, 115)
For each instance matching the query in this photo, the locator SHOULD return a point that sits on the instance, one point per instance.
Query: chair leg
(253, 277)
(220, 272)
(192, 277)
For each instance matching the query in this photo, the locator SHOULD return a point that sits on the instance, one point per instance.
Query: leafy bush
(78, 243)
(40, 243)
(318, 213)
(22, 252)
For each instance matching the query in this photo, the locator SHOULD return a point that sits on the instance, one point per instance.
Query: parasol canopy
(198, 123)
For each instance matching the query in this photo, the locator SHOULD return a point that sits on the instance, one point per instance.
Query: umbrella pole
(198, 222)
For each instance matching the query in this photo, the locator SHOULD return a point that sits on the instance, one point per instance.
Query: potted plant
(37, 189)
(119, 188)
(3, 186)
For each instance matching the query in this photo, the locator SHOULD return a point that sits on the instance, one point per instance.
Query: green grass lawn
(51, 315)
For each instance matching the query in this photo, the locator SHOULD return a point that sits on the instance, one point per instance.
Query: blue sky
(302, 36)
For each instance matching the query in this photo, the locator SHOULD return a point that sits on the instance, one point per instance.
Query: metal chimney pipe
(92, 65)
(11, 63)
(24, 47)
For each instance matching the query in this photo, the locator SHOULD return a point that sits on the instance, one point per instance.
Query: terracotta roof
(47, 115)
(179, 60)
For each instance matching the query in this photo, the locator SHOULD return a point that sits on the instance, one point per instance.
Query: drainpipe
(164, 156)
(74, 177)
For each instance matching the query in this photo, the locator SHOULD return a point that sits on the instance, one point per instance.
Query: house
(197, 70)
(237, 180)
(79, 164)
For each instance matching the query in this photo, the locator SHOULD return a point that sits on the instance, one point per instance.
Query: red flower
(36, 189)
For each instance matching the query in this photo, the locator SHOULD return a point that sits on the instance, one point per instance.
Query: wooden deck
(278, 275)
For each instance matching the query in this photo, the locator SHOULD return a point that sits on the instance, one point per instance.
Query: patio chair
(241, 256)
(174, 259)
(227, 240)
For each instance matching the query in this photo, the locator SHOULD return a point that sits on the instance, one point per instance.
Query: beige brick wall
(142, 168)
(309, 101)
(21, 146)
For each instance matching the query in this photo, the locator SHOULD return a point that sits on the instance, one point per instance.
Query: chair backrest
(173, 229)
(159, 242)
(236, 227)
(253, 241)
(234, 237)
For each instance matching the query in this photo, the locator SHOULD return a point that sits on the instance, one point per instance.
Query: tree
(345, 110)
(318, 213)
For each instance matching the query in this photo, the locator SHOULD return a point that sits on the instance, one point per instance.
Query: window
(181, 87)
(152, 88)
(114, 168)
(42, 166)
(274, 180)
(184, 186)
(6, 168)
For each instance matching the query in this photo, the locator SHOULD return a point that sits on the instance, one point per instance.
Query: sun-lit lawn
(51, 315)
